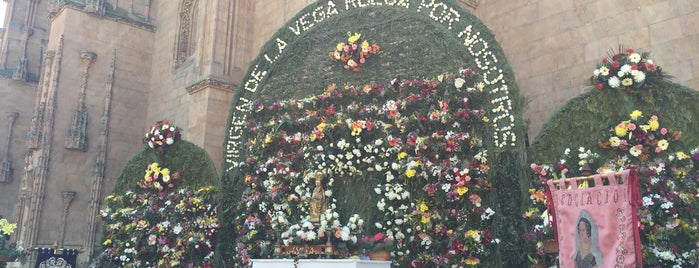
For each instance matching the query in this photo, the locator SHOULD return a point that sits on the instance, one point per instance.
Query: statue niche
(319, 202)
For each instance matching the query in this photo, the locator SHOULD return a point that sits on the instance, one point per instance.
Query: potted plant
(9, 251)
(379, 246)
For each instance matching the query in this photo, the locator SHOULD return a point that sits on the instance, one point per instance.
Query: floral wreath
(161, 134)
(627, 70)
(353, 53)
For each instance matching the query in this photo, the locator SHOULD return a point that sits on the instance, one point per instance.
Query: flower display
(418, 138)
(160, 228)
(668, 217)
(640, 137)
(354, 52)
(161, 134)
(9, 251)
(627, 70)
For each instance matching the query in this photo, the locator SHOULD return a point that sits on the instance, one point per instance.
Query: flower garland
(354, 53)
(407, 137)
(627, 70)
(161, 134)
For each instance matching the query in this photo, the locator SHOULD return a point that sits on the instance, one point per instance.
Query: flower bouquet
(353, 53)
(162, 134)
(627, 70)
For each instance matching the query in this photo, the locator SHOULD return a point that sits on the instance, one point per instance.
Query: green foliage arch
(587, 118)
(415, 44)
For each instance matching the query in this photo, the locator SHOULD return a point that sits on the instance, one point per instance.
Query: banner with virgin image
(596, 226)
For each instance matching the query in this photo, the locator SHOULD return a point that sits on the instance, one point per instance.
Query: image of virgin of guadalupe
(587, 253)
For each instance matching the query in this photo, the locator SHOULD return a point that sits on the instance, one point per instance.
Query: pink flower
(632, 126)
(663, 131)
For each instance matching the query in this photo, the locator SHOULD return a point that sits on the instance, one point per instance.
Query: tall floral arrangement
(420, 140)
(162, 134)
(162, 227)
(354, 53)
(628, 70)
(669, 221)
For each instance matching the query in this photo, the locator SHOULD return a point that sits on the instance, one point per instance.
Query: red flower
(600, 86)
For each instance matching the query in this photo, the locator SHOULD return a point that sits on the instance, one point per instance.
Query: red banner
(597, 226)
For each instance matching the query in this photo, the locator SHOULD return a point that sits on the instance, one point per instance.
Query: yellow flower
(662, 144)
(365, 44)
(531, 212)
(485, 119)
(461, 190)
(353, 37)
(7, 227)
(340, 46)
(402, 155)
(654, 125)
(635, 114)
(107, 242)
(472, 261)
(425, 219)
(423, 207)
(472, 234)
(620, 129)
(410, 173)
(268, 139)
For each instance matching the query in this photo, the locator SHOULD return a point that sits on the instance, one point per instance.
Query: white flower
(615, 141)
(459, 82)
(624, 69)
(636, 151)
(604, 71)
(634, 57)
(614, 82)
(638, 76)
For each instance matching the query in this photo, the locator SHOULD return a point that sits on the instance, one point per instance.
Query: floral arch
(424, 143)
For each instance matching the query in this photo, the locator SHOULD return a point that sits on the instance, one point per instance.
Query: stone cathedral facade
(81, 80)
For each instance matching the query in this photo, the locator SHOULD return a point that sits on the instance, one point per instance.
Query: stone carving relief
(76, 138)
(187, 22)
(6, 165)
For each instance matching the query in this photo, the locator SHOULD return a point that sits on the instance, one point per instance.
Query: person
(318, 201)
(584, 257)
